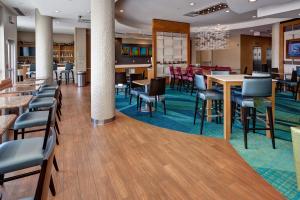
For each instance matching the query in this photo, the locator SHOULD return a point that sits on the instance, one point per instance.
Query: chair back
(32, 68)
(135, 77)
(298, 71)
(189, 71)
(200, 82)
(261, 74)
(157, 86)
(257, 87)
(294, 77)
(120, 78)
(220, 72)
(50, 122)
(69, 66)
(42, 189)
(178, 71)
(54, 67)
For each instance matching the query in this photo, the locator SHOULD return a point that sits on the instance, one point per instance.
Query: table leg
(272, 98)
(227, 111)
(209, 102)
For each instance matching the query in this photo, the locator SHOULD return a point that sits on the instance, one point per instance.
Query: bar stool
(22, 154)
(32, 70)
(255, 91)
(204, 94)
(67, 71)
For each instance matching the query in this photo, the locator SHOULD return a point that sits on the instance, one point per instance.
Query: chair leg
(192, 90)
(254, 119)
(204, 103)
(270, 116)
(220, 111)
(233, 110)
(55, 164)
(216, 111)
(165, 109)
(23, 134)
(141, 102)
(130, 99)
(1, 179)
(155, 104)
(16, 132)
(196, 108)
(150, 108)
(137, 102)
(57, 128)
(52, 187)
(245, 124)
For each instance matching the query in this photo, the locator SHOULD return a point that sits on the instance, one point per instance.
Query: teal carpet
(275, 166)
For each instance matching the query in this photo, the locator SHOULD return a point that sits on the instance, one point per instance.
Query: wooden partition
(248, 42)
(159, 25)
(285, 27)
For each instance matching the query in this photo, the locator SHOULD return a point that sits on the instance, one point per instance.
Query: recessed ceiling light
(252, 1)
(251, 30)
(121, 11)
(219, 24)
(227, 11)
(254, 16)
(192, 4)
(57, 11)
(299, 14)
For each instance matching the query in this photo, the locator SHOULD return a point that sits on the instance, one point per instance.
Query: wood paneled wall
(248, 42)
(159, 25)
(283, 26)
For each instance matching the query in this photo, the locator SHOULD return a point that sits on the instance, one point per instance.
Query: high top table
(31, 82)
(229, 81)
(14, 102)
(20, 90)
(144, 83)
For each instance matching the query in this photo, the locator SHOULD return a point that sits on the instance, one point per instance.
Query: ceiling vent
(19, 12)
(81, 19)
(209, 10)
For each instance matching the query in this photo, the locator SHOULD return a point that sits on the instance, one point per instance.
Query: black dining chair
(290, 83)
(55, 70)
(204, 94)
(134, 89)
(255, 93)
(121, 82)
(157, 91)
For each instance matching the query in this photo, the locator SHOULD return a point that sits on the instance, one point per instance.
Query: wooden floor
(128, 159)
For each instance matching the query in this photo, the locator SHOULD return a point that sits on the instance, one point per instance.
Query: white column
(102, 61)
(44, 45)
(275, 45)
(80, 50)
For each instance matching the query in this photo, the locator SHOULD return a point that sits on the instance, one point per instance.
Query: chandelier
(210, 38)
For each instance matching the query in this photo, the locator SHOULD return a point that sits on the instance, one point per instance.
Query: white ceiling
(138, 14)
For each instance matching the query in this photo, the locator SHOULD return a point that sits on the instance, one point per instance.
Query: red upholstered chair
(179, 78)
(172, 74)
(188, 78)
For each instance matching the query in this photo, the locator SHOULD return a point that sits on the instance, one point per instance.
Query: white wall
(57, 38)
(8, 31)
(80, 50)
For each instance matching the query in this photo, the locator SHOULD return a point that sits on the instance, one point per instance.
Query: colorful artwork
(126, 50)
(143, 51)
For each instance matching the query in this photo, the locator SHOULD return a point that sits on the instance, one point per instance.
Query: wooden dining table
(6, 121)
(228, 81)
